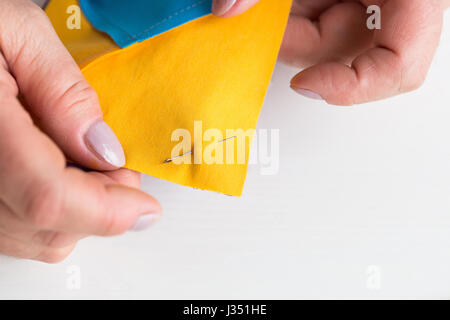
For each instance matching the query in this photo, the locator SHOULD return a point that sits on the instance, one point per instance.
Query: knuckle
(35, 12)
(109, 223)
(34, 16)
(43, 205)
(78, 97)
(26, 23)
(113, 225)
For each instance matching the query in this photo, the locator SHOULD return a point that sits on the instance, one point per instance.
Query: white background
(357, 187)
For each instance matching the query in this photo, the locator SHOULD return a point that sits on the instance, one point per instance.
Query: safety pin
(190, 152)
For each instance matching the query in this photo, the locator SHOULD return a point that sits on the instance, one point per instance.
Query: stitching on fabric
(100, 54)
(196, 4)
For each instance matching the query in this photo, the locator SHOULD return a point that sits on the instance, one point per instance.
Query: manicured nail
(101, 140)
(308, 93)
(220, 7)
(145, 221)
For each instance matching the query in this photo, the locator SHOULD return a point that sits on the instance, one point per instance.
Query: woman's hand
(45, 208)
(230, 8)
(349, 64)
(346, 63)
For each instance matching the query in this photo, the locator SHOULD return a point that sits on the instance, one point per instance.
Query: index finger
(36, 185)
(398, 62)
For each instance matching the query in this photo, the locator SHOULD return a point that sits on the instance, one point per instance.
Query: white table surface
(359, 209)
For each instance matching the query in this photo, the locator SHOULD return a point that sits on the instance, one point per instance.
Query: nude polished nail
(220, 7)
(103, 142)
(308, 93)
(145, 221)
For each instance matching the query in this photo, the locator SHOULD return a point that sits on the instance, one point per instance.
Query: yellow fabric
(213, 70)
(84, 44)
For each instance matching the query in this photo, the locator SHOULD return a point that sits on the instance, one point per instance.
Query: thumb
(57, 96)
(230, 8)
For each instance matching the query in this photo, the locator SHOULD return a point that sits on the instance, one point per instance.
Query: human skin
(46, 207)
(48, 112)
(349, 64)
(344, 62)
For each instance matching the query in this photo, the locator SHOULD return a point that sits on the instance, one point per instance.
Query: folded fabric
(128, 22)
(200, 82)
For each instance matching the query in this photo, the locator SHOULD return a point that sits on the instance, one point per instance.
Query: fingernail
(145, 221)
(308, 93)
(101, 140)
(220, 7)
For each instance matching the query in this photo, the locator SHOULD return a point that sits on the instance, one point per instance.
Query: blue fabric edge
(123, 38)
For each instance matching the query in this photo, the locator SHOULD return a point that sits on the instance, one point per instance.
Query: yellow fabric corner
(212, 70)
(84, 44)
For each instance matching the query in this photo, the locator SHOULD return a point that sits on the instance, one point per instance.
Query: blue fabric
(131, 21)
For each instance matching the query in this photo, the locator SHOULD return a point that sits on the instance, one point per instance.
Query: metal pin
(190, 152)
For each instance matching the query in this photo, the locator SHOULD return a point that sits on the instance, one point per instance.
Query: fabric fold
(128, 22)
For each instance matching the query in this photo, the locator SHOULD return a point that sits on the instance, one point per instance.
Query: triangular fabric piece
(205, 78)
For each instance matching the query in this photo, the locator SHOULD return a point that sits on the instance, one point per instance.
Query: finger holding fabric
(230, 8)
(53, 88)
(45, 207)
(396, 61)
